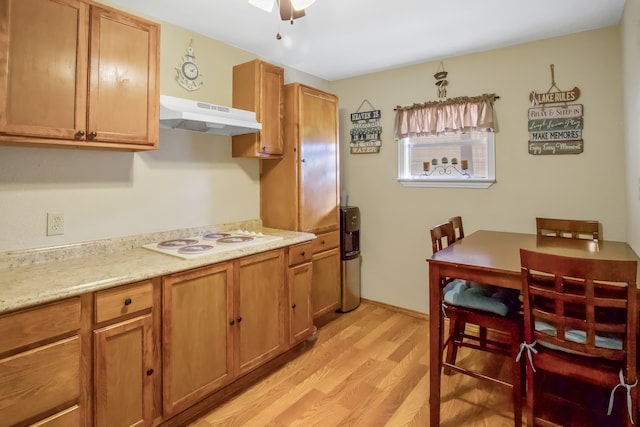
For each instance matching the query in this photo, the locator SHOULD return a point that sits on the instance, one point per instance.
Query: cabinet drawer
(300, 253)
(123, 300)
(27, 327)
(68, 418)
(39, 380)
(326, 241)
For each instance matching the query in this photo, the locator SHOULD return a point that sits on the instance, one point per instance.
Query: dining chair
(572, 228)
(465, 303)
(580, 323)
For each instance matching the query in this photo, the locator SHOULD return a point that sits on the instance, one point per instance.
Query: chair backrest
(442, 235)
(578, 299)
(571, 228)
(456, 221)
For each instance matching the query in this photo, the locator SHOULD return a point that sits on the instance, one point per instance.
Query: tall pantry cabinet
(301, 191)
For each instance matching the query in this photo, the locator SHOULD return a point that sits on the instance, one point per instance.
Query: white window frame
(439, 181)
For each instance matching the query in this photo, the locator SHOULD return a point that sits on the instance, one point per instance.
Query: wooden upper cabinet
(301, 191)
(44, 49)
(77, 75)
(258, 86)
(123, 79)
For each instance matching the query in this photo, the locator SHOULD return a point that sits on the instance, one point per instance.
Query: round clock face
(190, 70)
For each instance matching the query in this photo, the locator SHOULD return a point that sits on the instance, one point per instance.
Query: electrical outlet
(55, 224)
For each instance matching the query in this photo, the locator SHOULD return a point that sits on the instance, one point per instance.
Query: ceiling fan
(289, 9)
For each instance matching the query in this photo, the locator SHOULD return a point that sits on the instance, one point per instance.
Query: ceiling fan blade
(286, 11)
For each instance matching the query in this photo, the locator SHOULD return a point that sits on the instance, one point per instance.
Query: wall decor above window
(555, 126)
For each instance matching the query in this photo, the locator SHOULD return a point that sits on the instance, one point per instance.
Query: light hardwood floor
(368, 368)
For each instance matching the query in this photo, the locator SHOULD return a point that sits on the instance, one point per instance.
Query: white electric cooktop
(210, 243)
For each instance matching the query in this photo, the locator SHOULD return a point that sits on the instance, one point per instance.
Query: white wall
(396, 220)
(631, 80)
(190, 181)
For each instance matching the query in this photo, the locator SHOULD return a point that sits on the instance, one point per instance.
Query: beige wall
(631, 81)
(591, 185)
(190, 181)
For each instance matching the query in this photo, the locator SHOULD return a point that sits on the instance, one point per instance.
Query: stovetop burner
(177, 243)
(210, 243)
(195, 249)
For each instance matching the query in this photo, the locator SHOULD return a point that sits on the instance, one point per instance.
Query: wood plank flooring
(368, 368)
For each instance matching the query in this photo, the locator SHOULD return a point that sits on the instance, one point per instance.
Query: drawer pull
(294, 305)
(322, 242)
(302, 253)
(149, 372)
(127, 301)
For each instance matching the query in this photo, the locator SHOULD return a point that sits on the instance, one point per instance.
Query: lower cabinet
(124, 363)
(299, 282)
(220, 322)
(40, 365)
(326, 273)
(123, 360)
(139, 354)
(259, 309)
(197, 334)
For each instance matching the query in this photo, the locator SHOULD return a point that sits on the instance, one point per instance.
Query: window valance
(450, 115)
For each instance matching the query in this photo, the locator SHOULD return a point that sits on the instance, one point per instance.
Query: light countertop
(37, 276)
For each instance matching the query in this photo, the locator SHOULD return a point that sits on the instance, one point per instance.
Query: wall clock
(187, 73)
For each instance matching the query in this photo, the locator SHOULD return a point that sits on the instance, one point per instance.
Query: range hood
(179, 113)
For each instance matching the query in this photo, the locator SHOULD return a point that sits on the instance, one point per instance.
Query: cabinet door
(271, 103)
(325, 291)
(318, 191)
(300, 310)
(258, 86)
(197, 341)
(43, 80)
(123, 81)
(260, 311)
(123, 373)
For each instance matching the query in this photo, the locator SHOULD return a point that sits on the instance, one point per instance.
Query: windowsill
(447, 183)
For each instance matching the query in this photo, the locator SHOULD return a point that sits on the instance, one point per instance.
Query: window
(447, 160)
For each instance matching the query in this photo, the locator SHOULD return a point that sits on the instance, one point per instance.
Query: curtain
(451, 115)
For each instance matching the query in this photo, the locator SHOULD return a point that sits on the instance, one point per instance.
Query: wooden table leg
(435, 345)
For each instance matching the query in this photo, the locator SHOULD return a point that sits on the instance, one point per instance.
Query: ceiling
(345, 38)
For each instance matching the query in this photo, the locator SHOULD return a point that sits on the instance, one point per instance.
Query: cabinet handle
(80, 134)
(128, 301)
(294, 305)
(264, 148)
(239, 319)
(302, 253)
(93, 134)
(302, 160)
(149, 372)
(232, 322)
(322, 242)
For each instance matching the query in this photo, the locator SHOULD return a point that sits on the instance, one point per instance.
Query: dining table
(493, 257)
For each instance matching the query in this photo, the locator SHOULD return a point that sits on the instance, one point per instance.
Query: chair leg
(516, 372)
(483, 337)
(456, 329)
(530, 408)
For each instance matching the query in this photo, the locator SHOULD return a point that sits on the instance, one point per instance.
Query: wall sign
(555, 129)
(365, 131)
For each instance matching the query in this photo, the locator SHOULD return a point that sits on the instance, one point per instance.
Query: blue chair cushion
(575, 335)
(479, 296)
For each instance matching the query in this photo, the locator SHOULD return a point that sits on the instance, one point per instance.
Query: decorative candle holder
(446, 167)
